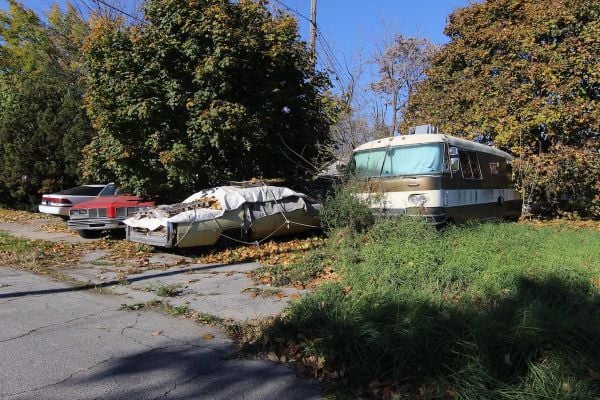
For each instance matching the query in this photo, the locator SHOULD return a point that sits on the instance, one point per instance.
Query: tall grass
(494, 311)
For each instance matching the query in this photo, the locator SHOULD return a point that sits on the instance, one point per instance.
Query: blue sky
(348, 25)
(346, 22)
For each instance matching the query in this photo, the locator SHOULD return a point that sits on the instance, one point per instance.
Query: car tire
(89, 234)
(64, 217)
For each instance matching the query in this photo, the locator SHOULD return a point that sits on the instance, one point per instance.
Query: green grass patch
(37, 255)
(492, 311)
(179, 310)
(167, 290)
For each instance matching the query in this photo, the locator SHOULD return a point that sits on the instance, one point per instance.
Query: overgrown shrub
(565, 181)
(343, 209)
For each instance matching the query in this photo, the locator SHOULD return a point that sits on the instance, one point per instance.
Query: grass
(37, 255)
(167, 290)
(492, 311)
(303, 271)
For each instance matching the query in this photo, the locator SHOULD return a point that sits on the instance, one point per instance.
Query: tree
(402, 65)
(523, 71)
(43, 126)
(205, 92)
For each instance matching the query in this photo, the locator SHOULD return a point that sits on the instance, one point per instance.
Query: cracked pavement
(66, 344)
(224, 291)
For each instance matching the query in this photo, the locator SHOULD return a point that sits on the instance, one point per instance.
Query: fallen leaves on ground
(269, 253)
(39, 255)
(57, 228)
(564, 223)
(120, 248)
(20, 216)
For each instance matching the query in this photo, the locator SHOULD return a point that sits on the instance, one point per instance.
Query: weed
(179, 310)
(139, 306)
(345, 210)
(209, 319)
(167, 290)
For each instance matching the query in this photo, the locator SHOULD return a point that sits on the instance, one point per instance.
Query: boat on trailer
(247, 212)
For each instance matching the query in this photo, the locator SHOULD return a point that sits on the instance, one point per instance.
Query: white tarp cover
(229, 198)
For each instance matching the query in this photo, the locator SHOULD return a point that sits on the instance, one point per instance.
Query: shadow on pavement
(111, 282)
(189, 372)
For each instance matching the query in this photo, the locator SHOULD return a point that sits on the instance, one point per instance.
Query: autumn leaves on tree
(205, 92)
(526, 73)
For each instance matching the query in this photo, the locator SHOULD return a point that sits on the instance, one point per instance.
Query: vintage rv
(441, 177)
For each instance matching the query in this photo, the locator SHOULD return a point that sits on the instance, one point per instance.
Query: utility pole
(313, 31)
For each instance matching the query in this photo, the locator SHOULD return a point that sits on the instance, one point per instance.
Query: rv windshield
(397, 161)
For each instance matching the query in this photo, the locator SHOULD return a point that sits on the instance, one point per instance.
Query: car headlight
(418, 200)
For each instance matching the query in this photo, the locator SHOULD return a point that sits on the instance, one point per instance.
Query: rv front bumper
(97, 224)
(433, 215)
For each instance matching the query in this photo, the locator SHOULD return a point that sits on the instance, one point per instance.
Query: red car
(92, 217)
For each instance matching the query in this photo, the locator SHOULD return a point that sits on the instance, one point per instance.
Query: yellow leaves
(270, 253)
(329, 274)
(56, 228)
(208, 336)
(563, 223)
(20, 216)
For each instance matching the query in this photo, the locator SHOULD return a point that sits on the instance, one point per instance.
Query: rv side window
(469, 164)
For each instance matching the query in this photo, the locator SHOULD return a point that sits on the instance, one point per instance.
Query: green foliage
(517, 70)
(564, 181)
(345, 210)
(43, 126)
(483, 312)
(207, 91)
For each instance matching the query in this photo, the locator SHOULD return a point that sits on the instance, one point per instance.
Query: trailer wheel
(89, 233)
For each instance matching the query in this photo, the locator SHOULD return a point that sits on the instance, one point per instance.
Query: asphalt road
(61, 344)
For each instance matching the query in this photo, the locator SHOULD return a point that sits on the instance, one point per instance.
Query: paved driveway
(61, 344)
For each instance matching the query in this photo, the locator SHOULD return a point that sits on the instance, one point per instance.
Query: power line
(326, 49)
(120, 11)
(294, 11)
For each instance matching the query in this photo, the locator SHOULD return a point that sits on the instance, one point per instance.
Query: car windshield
(110, 190)
(83, 191)
(397, 161)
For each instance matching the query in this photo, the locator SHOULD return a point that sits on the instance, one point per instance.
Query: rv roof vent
(421, 129)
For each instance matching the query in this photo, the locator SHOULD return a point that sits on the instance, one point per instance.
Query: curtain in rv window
(418, 159)
(367, 163)
(413, 160)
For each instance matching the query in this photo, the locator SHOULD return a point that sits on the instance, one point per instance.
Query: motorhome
(440, 177)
